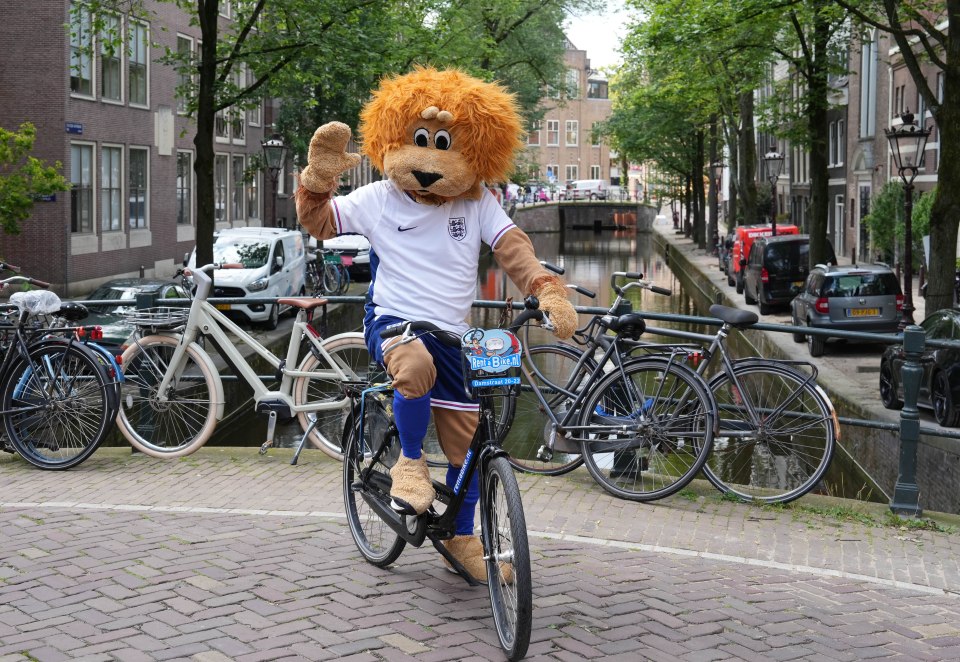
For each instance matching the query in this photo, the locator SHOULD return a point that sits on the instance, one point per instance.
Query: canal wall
(875, 453)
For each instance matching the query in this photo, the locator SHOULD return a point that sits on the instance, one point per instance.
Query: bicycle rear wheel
(378, 543)
(787, 452)
(523, 424)
(184, 419)
(330, 278)
(507, 554)
(344, 279)
(57, 405)
(649, 429)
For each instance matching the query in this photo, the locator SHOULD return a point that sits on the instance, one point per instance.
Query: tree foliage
(23, 177)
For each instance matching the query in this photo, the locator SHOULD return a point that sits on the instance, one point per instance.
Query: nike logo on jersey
(399, 229)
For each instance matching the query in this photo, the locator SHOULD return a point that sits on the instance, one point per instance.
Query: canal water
(588, 259)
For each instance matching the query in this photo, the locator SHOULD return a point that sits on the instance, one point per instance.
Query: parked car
(116, 330)
(354, 250)
(744, 236)
(274, 265)
(724, 251)
(847, 298)
(776, 270)
(585, 189)
(940, 379)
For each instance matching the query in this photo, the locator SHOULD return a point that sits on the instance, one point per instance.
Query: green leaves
(23, 178)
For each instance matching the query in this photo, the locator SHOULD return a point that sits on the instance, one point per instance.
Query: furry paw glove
(327, 158)
(553, 301)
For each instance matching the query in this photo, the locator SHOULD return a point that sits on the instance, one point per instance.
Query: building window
(253, 115)
(841, 142)
(239, 192)
(221, 127)
(594, 172)
(572, 133)
(571, 172)
(238, 122)
(184, 188)
(253, 197)
(81, 190)
(138, 179)
(573, 84)
(111, 67)
(533, 138)
(184, 75)
(832, 152)
(111, 188)
(81, 43)
(137, 65)
(899, 99)
(553, 172)
(597, 89)
(220, 188)
(553, 132)
(868, 86)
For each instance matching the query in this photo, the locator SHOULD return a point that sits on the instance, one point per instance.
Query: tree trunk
(203, 140)
(747, 162)
(818, 128)
(713, 231)
(700, 195)
(945, 214)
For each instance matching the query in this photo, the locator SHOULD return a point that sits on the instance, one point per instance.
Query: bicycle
(55, 397)
(173, 395)
(371, 446)
(643, 426)
(778, 428)
(328, 272)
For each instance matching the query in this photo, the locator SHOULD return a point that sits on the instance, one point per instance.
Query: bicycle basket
(332, 258)
(157, 318)
(490, 359)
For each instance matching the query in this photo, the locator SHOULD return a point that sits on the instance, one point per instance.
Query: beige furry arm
(515, 254)
(327, 158)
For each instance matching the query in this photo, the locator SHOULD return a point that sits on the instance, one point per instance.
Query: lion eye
(421, 137)
(442, 139)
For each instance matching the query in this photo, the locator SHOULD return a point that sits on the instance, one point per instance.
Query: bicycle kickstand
(303, 441)
(271, 428)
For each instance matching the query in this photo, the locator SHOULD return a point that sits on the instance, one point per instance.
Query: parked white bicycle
(173, 396)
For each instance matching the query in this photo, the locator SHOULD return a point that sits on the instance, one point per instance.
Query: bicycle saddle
(733, 316)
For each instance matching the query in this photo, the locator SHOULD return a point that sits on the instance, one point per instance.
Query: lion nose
(426, 178)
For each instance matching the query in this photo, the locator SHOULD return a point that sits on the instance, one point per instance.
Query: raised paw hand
(328, 158)
(553, 301)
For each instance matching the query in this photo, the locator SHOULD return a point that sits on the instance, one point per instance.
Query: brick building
(115, 123)
(560, 147)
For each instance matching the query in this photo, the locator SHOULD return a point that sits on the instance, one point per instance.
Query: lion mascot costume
(438, 137)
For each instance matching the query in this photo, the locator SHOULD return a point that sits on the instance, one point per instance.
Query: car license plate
(863, 312)
(346, 260)
(222, 306)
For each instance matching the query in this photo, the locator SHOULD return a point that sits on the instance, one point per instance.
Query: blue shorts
(448, 391)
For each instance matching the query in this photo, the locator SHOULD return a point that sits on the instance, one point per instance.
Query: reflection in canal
(588, 258)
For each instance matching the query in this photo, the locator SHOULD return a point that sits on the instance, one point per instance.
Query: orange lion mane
(485, 114)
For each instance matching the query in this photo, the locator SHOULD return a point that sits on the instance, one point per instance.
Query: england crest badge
(457, 227)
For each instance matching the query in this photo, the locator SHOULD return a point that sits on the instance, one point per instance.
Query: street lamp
(907, 143)
(274, 152)
(774, 164)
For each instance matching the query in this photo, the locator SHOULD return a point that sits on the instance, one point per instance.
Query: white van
(274, 266)
(585, 189)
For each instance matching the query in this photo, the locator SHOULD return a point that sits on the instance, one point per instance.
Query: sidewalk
(227, 555)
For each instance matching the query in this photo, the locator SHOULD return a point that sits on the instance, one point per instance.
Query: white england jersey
(428, 255)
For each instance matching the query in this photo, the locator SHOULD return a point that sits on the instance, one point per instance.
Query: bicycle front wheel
(57, 405)
(177, 422)
(524, 426)
(330, 278)
(365, 478)
(344, 282)
(785, 451)
(507, 555)
(648, 429)
(349, 353)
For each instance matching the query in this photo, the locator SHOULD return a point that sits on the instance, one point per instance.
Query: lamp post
(907, 144)
(773, 161)
(274, 152)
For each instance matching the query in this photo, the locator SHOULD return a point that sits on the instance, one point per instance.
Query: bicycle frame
(205, 319)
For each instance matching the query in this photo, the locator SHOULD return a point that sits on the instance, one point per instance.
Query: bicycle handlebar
(637, 282)
(6, 266)
(25, 279)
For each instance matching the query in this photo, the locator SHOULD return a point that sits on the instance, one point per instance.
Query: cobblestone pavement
(228, 555)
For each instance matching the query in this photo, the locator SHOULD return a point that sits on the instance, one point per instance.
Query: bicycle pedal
(544, 454)
(264, 446)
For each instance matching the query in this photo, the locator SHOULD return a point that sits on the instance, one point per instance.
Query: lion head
(441, 134)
